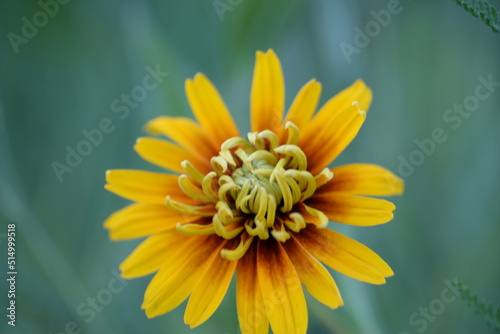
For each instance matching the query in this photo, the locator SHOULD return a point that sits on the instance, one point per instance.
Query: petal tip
(199, 76)
(270, 52)
(108, 174)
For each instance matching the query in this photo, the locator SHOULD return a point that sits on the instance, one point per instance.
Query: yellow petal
(313, 275)
(179, 275)
(168, 155)
(141, 219)
(210, 290)
(184, 132)
(210, 110)
(344, 254)
(341, 130)
(358, 91)
(252, 315)
(267, 98)
(352, 209)
(305, 103)
(142, 186)
(363, 179)
(281, 290)
(303, 106)
(150, 255)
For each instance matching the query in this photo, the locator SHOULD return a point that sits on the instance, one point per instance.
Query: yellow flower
(258, 206)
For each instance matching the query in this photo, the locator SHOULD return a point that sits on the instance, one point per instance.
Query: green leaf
(482, 10)
(489, 313)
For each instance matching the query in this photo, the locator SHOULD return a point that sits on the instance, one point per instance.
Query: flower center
(256, 185)
(266, 181)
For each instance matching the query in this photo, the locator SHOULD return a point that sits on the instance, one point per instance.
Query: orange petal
(313, 275)
(150, 255)
(344, 254)
(142, 186)
(252, 315)
(281, 290)
(179, 275)
(267, 98)
(352, 209)
(363, 179)
(184, 132)
(168, 155)
(338, 133)
(142, 219)
(210, 110)
(358, 91)
(211, 288)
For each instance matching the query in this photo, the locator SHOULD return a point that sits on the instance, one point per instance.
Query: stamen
(262, 159)
(271, 210)
(195, 229)
(191, 190)
(299, 159)
(269, 139)
(279, 166)
(293, 133)
(306, 182)
(228, 157)
(219, 164)
(318, 217)
(250, 181)
(296, 222)
(265, 140)
(252, 201)
(192, 172)
(259, 230)
(239, 251)
(202, 210)
(208, 189)
(236, 142)
(261, 199)
(240, 153)
(285, 192)
(227, 185)
(294, 187)
(240, 199)
(323, 177)
(225, 231)
(281, 235)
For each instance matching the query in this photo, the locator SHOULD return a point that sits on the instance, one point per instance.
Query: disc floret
(257, 186)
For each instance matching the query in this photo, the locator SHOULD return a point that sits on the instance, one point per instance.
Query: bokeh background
(63, 80)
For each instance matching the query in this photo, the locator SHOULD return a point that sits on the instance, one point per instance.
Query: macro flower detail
(256, 206)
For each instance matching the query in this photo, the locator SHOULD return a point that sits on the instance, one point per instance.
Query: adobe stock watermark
(421, 319)
(121, 107)
(223, 6)
(453, 118)
(95, 304)
(31, 26)
(363, 38)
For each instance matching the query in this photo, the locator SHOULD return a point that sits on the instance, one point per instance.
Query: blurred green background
(419, 62)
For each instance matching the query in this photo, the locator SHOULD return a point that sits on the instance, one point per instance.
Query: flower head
(257, 206)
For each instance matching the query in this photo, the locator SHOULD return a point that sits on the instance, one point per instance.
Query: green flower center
(255, 185)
